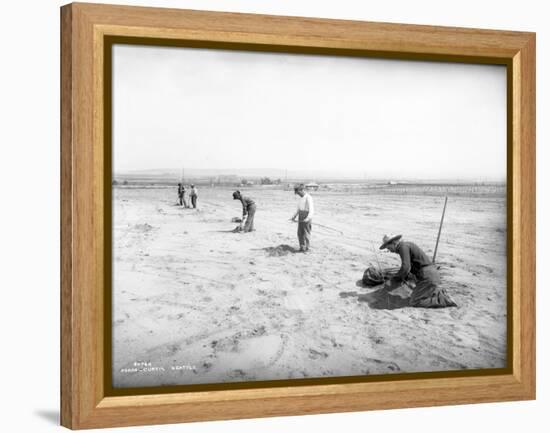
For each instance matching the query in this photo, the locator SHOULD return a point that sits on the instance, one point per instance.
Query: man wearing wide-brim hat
(427, 293)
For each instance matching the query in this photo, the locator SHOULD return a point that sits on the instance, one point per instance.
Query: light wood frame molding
(84, 28)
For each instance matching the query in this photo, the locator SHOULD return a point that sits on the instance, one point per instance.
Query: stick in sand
(376, 256)
(329, 228)
(439, 232)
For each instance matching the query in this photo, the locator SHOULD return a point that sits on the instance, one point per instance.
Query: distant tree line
(268, 181)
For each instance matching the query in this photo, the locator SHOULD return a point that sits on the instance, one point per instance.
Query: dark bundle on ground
(374, 276)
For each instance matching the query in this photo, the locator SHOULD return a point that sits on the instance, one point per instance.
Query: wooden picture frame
(85, 33)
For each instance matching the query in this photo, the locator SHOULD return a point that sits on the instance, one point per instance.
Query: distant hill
(204, 172)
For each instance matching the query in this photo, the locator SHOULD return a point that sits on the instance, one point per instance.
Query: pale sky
(215, 109)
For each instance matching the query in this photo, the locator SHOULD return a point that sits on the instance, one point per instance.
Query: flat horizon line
(293, 174)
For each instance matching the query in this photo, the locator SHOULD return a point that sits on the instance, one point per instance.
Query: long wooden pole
(439, 232)
(329, 228)
(326, 227)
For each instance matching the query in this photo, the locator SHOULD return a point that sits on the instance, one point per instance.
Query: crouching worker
(427, 293)
(249, 210)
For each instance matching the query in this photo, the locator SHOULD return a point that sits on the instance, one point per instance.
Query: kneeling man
(428, 293)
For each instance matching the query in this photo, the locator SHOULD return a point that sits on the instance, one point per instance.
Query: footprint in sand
(335, 343)
(206, 366)
(238, 374)
(172, 349)
(315, 354)
(388, 365)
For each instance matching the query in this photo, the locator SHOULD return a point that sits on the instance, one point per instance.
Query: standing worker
(181, 195)
(193, 195)
(427, 293)
(249, 210)
(304, 213)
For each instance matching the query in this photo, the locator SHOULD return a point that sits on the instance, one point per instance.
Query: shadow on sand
(379, 299)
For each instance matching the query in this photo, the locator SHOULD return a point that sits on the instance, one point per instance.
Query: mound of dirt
(280, 250)
(145, 227)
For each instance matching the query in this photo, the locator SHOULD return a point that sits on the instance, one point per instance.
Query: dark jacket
(413, 259)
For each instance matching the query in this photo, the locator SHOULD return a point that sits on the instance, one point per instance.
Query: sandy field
(195, 303)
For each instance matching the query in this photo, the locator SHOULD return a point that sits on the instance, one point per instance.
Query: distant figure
(194, 195)
(427, 292)
(304, 213)
(249, 210)
(181, 195)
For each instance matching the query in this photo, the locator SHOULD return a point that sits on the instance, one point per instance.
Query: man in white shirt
(194, 194)
(304, 213)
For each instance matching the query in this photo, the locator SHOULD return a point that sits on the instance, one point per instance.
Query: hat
(388, 240)
(236, 194)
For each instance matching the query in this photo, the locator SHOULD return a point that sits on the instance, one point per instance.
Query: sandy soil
(195, 303)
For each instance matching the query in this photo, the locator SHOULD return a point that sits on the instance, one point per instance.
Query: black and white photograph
(275, 216)
(285, 216)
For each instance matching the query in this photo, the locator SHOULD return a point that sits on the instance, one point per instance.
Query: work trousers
(304, 231)
(249, 224)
